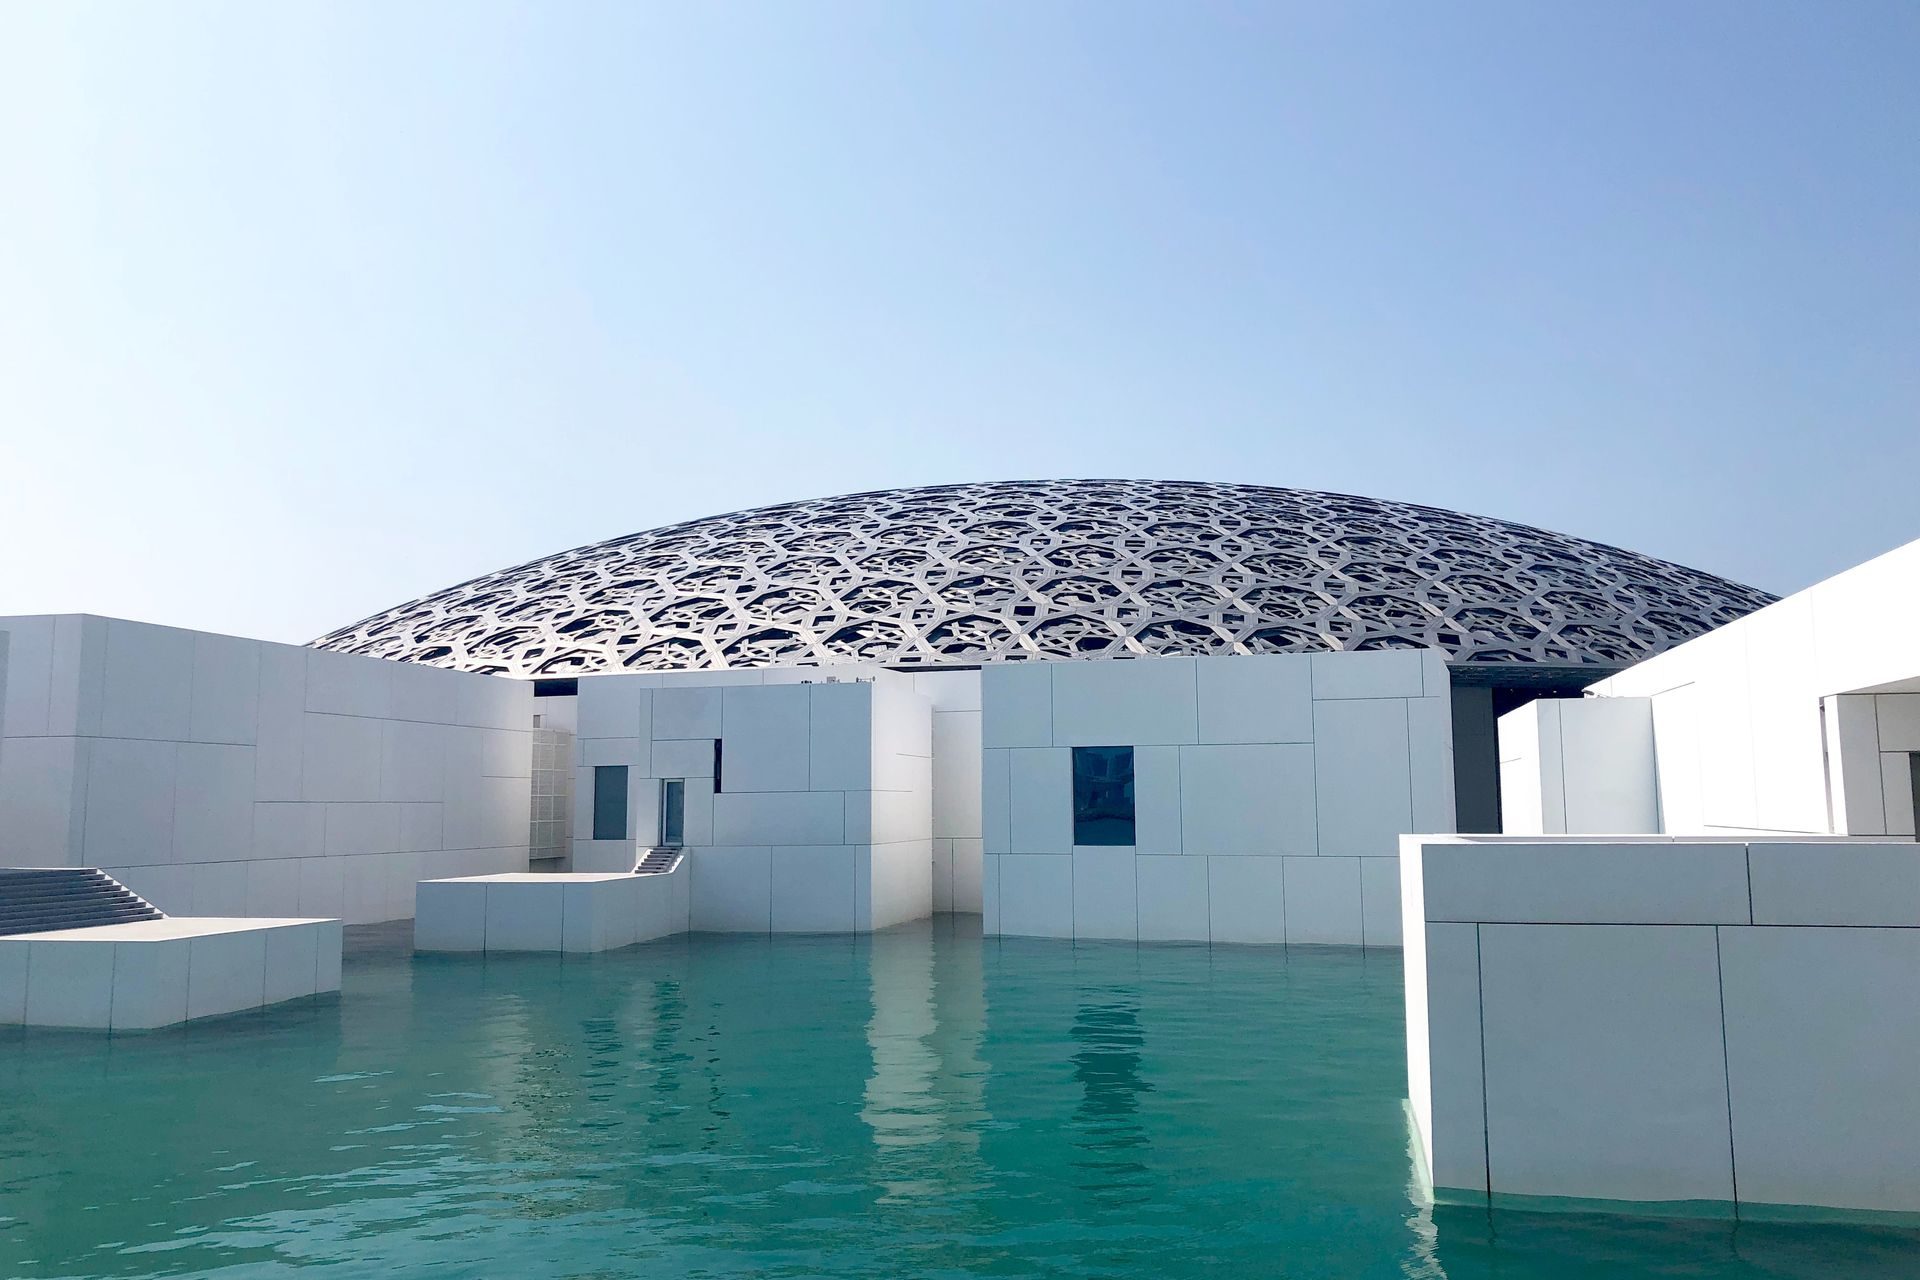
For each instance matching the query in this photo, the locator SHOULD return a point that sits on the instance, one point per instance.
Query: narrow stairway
(657, 862)
(39, 899)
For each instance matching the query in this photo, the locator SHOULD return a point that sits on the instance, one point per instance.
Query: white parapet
(1658, 1020)
(581, 911)
(155, 973)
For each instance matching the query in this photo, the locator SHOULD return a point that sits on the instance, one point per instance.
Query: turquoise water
(919, 1103)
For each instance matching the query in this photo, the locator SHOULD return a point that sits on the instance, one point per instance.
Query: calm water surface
(919, 1103)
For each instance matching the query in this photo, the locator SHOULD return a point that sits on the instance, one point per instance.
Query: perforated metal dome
(956, 575)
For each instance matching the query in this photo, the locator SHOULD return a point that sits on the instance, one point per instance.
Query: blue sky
(307, 309)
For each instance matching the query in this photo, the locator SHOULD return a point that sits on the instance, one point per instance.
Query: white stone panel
(1822, 1037)
(1896, 787)
(814, 889)
(900, 883)
(1430, 761)
(1246, 899)
(1247, 799)
(1362, 776)
(732, 890)
(942, 874)
(996, 801)
(13, 981)
(292, 962)
(1588, 883)
(1605, 1041)
(682, 712)
(968, 884)
(612, 707)
(524, 916)
(778, 818)
(949, 690)
(225, 697)
(149, 682)
(1444, 1071)
(449, 916)
(340, 758)
(766, 733)
(1040, 804)
(129, 802)
(43, 787)
(1380, 901)
(69, 985)
(1256, 698)
(841, 737)
(280, 737)
(273, 888)
(956, 774)
(990, 894)
(1386, 673)
(413, 759)
(226, 972)
(494, 702)
(1173, 898)
(1156, 799)
(1105, 900)
(680, 758)
(219, 888)
(1323, 901)
(1139, 701)
(327, 974)
(1036, 895)
(323, 887)
(213, 803)
(346, 684)
(1016, 704)
(1898, 718)
(1835, 884)
(167, 886)
(427, 693)
(150, 984)
(26, 694)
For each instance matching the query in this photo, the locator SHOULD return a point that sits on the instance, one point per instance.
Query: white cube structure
(576, 911)
(218, 776)
(1269, 793)
(805, 796)
(155, 973)
(1679, 1021)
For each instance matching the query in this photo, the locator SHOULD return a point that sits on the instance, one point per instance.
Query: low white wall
(1578, 766)
(218, 776)
(547, 911)
(1270, 794)
(1664, 1020)
(1738, 713)
(824, 819)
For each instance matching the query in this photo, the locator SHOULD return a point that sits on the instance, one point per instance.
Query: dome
(958, 575)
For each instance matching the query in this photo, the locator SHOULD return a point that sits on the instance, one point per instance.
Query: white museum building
(1091, 710)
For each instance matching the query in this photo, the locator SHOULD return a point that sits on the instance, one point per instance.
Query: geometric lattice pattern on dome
(964, 574)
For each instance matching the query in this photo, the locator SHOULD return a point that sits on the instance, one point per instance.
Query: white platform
(155, 973)
(531, 911)
(1665, 1020)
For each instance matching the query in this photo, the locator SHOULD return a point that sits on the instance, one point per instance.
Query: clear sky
(308, 309)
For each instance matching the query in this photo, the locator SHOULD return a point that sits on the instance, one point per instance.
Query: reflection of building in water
(1107, 1067)
(924, 1096)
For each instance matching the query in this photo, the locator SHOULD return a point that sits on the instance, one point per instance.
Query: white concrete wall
(955, 696)
(1270, 794)
(1578, 765)
(218, 776)
(1751, 731)
(1665, 1020)
(825, 815)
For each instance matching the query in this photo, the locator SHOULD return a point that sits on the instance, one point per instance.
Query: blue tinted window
(1103, 795)
(610, 802)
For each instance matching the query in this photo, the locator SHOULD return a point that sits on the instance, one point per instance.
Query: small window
(610, 802)
(1103, 795)
(673, 812)
(717, 788)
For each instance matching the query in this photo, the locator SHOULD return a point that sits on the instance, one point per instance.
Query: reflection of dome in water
(957, 575)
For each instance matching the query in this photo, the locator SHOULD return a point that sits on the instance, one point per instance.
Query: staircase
(37, 899)
(658, 862)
